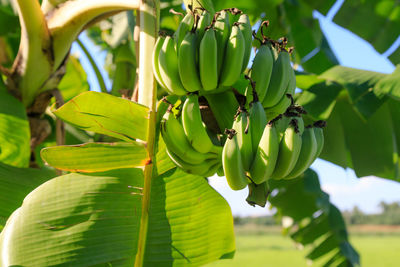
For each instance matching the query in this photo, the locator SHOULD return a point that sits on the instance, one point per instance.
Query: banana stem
(149, 19)
(96, 69)
(34, 61)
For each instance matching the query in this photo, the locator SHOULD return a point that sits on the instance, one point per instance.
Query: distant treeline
(389, 215)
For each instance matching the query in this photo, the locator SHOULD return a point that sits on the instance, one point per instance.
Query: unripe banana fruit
(232, 164)
(243, 136)
(188, 71)
(261, 71)
(233, 59)
(280, 79)
(209, 60)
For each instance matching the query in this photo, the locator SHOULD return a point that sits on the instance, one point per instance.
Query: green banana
(319, 136)
(245, 27)
(234, 53)
(280, 79)
(258, 194)
(286, 99)
(243, 136)
(222, 32)
(307, 153)
(184, 27)
(266, 156)
(197, 169)
(176, 141)
(261, 70)
(168, 67)
(208, 60)
(187, 66)
(193, 125)
(289, 150)
(156, 69)
(258, 121)
(232, 164)
(203, 23)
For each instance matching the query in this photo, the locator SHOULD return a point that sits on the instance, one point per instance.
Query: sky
(344, 188)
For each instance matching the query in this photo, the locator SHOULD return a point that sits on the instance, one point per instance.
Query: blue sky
(345, 189)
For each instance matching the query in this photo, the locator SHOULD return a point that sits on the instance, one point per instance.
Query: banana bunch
(187, 140)
(206, 54)
(257, 150)
(286, 148)
(273, 76)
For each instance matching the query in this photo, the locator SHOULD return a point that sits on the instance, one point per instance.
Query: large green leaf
(322, 6)
(395, 56)
(359, 85)
(106, 114)
(15, 184)
(96, 157)
(76, 220)
(306, 36)
(316, 223)
(376, 21)
(14, 130)
(319, 98)
(371, 144)
(335, 148)
(8, 20)
(81, 220)
(390, 85)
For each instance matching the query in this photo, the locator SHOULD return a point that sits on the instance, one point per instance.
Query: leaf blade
(106, 114)
(14, 130)
(96, 157)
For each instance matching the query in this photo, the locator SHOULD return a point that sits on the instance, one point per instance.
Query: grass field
(265, 246)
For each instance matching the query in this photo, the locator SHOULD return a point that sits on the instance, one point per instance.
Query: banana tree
(123, 201)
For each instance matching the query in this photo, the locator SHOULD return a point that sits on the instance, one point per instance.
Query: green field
(267, 247)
